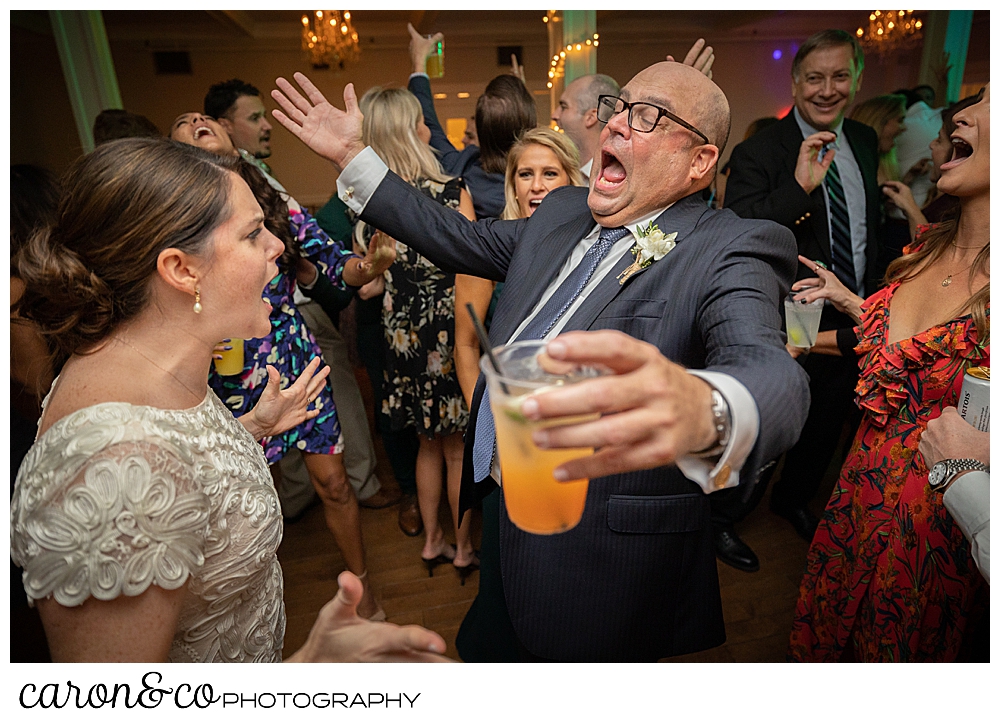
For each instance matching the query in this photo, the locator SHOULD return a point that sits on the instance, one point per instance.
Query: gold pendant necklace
(947, 279)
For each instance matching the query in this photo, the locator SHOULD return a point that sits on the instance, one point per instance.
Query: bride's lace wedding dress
(115, 497)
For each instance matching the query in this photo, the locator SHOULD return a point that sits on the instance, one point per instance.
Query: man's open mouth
(612, 170)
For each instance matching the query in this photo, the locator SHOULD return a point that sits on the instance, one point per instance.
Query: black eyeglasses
(642, 117)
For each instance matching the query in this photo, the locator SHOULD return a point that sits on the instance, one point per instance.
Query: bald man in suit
(704, 393)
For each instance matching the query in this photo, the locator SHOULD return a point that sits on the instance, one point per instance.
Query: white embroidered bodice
(115, 497)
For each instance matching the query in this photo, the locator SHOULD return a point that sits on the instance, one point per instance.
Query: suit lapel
(682, 217)
(548, 255)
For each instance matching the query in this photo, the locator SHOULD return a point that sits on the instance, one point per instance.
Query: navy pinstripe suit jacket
(636, 579)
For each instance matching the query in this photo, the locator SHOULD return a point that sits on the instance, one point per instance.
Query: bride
(144, 516)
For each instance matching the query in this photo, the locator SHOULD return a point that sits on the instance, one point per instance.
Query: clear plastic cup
(802, 321)
(536, 502)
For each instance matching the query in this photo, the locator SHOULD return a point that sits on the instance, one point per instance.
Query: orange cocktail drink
(536, 502)
(232, 361)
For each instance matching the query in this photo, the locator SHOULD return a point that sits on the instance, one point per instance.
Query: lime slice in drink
(515, 414)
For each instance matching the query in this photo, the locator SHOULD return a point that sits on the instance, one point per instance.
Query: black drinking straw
(484, 343)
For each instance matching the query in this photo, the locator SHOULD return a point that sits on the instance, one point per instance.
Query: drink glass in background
(231, 362)
(435, 61)
(802, 320)
(536, 502)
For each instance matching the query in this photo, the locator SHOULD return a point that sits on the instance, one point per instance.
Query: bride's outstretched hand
(332, 133)
(279, 410)
(339, 635)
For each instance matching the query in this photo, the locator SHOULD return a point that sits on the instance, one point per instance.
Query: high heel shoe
(465, 570)
(441, 559)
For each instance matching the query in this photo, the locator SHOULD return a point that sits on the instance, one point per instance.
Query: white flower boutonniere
(652, 245)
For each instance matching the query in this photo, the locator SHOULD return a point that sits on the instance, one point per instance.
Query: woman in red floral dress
(889, 575)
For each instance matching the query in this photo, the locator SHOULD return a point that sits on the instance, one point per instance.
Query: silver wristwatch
(722, 421)
(944, 472)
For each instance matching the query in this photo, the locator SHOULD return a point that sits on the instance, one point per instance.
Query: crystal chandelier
(329, 39)
(890, 30)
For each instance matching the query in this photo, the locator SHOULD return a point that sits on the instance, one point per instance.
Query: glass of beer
(435, 61)
(802, 320)
(536, 502)
(231, 362)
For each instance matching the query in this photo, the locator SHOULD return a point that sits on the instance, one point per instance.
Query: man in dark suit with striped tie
(815, 173)
(703, 396)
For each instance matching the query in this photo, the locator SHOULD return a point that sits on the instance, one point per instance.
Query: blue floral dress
(289, 348)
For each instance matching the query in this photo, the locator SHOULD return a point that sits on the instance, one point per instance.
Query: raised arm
(384, 200)
(420, 85)
(901, 195)
(330, 132)
(335, 259)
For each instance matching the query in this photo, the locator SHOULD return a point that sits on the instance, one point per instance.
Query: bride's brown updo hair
(121, 205)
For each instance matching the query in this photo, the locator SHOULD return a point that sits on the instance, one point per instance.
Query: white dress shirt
(854, 193)
(357, 184)
(968, 501)
(586, 168)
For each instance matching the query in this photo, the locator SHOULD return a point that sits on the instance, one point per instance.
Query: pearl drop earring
(197, 301)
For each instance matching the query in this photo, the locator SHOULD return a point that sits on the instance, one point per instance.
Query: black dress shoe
(804, 521)
(733, 551)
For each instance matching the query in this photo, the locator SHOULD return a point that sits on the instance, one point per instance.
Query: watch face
(937, 474)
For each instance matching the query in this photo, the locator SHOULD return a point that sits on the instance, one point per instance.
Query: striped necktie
(840, 230)
(540, 325)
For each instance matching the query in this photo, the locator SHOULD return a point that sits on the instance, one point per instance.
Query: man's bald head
(694, 97)
(640, 171)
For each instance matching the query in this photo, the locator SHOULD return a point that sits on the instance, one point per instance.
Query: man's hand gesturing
(332, 133)
(809, 169)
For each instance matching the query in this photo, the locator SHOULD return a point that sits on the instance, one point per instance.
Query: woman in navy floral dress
(290, 346)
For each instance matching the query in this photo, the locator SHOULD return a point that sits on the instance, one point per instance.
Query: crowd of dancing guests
(147, 482)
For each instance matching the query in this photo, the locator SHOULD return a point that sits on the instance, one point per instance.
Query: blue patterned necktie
(540, 325)
(840, 230)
